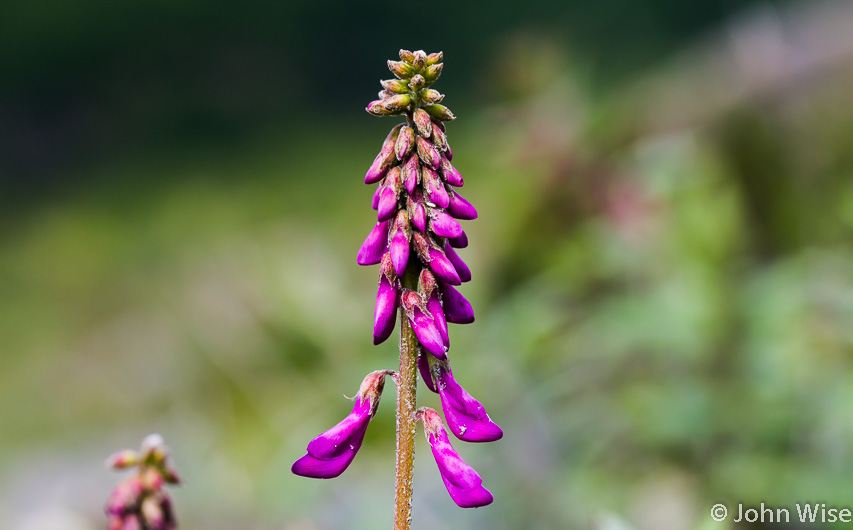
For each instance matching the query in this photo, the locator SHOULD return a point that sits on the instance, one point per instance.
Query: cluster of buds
(416, 235)
(140, 502)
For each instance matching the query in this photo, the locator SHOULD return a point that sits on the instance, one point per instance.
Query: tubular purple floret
(411, 173)
(460, 266)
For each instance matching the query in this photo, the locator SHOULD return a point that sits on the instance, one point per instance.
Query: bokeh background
(663, 263)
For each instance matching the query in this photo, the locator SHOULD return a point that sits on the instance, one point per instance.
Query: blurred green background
(663, 263)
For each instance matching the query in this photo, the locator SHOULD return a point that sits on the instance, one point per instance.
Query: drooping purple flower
(333, 451)
(423, 324)
(398, 244)
(374, 245)
(463, 483)
(460, 266)
(443, 225)
(387, 300)
(435, 259)
(457, 309)
(451, 175)
(460, 208)
(465, 416)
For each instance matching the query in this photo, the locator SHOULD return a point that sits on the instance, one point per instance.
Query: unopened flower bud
(417, 82)
(430, 96)
(460, 266)
(432, 73)
(440, 112)
(385, 157)
(423, 324)
(460, 208)
(405, 142)
(400, 69)
(451, 175)
(427, 153)
(443, 225)
(459, 242)
(374, 245)
(389, 195)
(434, 190)
(397, 103)
(387, 300)
(423, 123)
(419, 60)
(434, 58)
(397, 86)
(123, 459)
(398, 244)
(411, 173)
(439, 139)
(416, 210)
(385, 94)
(457, 309)
(378, 108)
(407, 56)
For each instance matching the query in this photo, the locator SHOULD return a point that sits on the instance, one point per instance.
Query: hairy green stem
(407, 384)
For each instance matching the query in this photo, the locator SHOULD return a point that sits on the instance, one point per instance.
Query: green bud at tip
(440, 112)
(419, 61)
(430, 96)
(406, 55)
(397, 102)
(400, 69)
(433, 73)
(397, 86)
(434, 58)
(417, 82)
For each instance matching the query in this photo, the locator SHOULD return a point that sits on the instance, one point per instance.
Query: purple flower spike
(332, 452)
(442, 224)
(463, 483)
(456, 308)
(434, 189)
(451, 175)
(460, 266)
(424, 326)
(374, 245)
(426, 374)
(459, 208)
(466, 416)
(399, 242)
(387, 299)
(459, 242)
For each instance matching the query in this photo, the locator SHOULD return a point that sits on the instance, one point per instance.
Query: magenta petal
(466, 417)
(451, 175)
(419, 217)
(458, 264)
(449, 153)
(461, 480)
(426, 375)
(442, 268)
(374, 245)
(399, 249)
(311, 467)
(434, 190)
(374, 202)
(428, 334)
(443, 225)
(459, 208)
(332, 452)
(456, 308)
(459, 242)
(385, 312)
(387, 203)
(434, 307)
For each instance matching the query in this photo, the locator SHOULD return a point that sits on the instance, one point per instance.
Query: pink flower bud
(399, 242)
(427, 153)
(423, 324)
(443, 225)
(374, 202)
(417, 210)
(383, 160)
(410, 173)
(419, 60)
(459, 208)
(407, 56)
(451, 175)
(460, 266)
(374, 245)
(390, 194)
(457, 309)
(439, 139)
(459, 242)
(434, 190)
(405, 142)
(423, 123)
(387, 300)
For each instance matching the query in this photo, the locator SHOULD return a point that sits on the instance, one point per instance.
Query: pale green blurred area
(662, 279)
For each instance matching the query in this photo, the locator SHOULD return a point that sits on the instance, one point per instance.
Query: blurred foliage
(661, 272)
